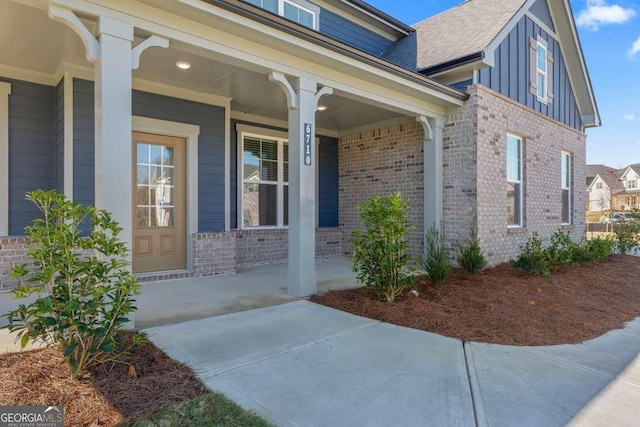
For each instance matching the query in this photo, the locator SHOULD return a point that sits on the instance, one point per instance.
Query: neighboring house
(614, 189)
(229, 133)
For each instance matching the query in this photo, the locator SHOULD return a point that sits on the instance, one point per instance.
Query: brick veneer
(13, 251)
(475, 173)
(381, 162)
(272, 245)
(213, 253)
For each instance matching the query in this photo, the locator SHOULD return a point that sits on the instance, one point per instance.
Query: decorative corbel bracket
(70, 19)
(153, 41)
(290, 93)
(426, 126)
(324, 91)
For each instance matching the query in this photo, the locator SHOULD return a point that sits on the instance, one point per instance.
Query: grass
(212, 409)
(594, 216)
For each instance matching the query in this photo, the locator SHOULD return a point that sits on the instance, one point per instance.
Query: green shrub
(83, 283)
(470, 256)
(533, 259)
(379, 257)
(562, 250)
(435, 260)
(596, 249)
(627, 236)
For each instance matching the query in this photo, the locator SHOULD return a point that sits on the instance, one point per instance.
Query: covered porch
(117, 88)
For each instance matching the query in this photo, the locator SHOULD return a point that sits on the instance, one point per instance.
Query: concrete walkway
(301, 364)
(172, 301)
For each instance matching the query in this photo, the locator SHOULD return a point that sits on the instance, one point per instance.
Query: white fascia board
(569, 42)
(403, 95)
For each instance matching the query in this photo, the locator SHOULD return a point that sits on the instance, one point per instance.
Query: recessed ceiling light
(322, 107)
(183, 65)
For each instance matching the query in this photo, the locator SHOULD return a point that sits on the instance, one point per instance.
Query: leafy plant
(435, 260)
(84, 287)
(470, 256)
(533, 259)
(595, 249)
(562, 250)
(627, 236)
(379, 257)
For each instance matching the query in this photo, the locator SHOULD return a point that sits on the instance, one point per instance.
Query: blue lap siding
(348, 32)
(32, 148)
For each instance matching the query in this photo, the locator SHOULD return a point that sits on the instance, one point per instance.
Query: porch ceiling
(31, 41)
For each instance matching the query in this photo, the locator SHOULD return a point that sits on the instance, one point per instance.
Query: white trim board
(5, 91)
(190, 133)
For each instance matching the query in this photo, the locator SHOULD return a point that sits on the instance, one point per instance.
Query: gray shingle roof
(458, 32)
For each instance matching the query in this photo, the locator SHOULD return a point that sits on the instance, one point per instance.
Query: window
(599, 186)
(632, 184)
(514, 181)
(541, 69)
(541, 75)
(299, 11)
(566, 187)
(265, 181)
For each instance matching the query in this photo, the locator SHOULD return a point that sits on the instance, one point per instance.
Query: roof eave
(263, 16)
(452, 64)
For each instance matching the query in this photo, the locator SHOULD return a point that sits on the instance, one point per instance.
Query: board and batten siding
(327, 176)
(211, 120)
(32, 148)
(348, 32)
(510, 75)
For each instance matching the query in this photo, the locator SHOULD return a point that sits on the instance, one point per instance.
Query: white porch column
(302, 278)
(302, 99)
(113, 155)
(433, 179)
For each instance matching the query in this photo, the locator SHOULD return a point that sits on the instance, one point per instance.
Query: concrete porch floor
(173, 301)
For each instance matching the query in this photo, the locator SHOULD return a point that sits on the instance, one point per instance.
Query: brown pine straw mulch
(109, 396)
(503, 306)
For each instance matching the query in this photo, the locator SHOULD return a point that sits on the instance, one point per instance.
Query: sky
(609, 31)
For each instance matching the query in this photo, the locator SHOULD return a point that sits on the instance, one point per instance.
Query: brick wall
(214, 253)
(485, 122)
(270, 246)
(381, 162)
(12, 252)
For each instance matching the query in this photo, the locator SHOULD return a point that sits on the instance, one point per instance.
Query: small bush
(379, 257)
(435, 260)
(562, 250)
(627, 236)
(596, 249)
(85, 290)
(470, 256)
(533, 259)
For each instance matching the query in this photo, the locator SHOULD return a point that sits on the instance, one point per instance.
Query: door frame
(190, 133)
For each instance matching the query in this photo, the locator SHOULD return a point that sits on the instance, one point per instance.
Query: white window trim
(567, 155)
(543, 44)
(190, 133)
(304, 5)
(5, 91)
(243, 130)
(635, 184)
(520, 223)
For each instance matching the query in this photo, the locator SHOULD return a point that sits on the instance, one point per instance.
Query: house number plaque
(307, 144)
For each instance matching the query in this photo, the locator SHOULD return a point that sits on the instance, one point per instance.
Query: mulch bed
(503, 306)
(108, 396)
